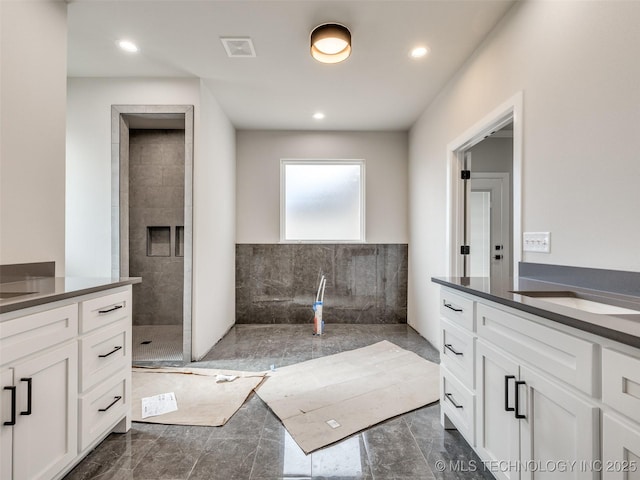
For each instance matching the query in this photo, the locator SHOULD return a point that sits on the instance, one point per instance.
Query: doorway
(485, 197)
(490, 225)
(152, 164)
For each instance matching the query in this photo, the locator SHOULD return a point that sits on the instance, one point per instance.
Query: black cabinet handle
(111, 352)
(451, 399)
(507, 408)
(28, 410)
(13, 406)
(449, 347)
(517, 409)
(101, 312)
(450, 307)
(115, 400)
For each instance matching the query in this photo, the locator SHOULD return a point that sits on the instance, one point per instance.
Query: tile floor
(154, 343)
(254, 445)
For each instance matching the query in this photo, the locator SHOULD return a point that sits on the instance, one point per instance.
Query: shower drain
(146, 342)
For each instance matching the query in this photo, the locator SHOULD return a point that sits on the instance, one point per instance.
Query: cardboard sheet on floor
(201, 400)
(327, 399)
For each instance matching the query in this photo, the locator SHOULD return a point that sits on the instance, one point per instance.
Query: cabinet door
(559, 428)
(6, 431)
(46, 431)
(497, 429)
(620, 449)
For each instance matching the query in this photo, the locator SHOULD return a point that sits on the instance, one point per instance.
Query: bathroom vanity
(65, 371)
(543, 379)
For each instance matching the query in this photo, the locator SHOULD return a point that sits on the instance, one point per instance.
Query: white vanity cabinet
(105, 365)
(535, 391)
(457, 357)
(621, 420)
(39, 387)
(532, 412)
(50, 382)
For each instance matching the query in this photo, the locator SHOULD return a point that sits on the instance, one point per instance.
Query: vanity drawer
(100, 311)
(457, 352)
(102, 408)
(31, 333)
(562, 355)
(457, 308)
(621, 382)
(103, 353)
(458, 403)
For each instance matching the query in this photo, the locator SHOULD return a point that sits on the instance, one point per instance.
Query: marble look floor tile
(170, 458)
(346, 459)
(226, 459)
(112, 456)
(278, 455)
(404, 448)
(393, 452)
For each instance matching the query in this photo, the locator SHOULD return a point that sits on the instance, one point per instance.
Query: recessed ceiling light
(419, 52)
(128, 46)
(318, 115)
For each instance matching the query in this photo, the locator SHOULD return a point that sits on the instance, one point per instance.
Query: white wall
(32, 132)
(88, 232)
(576, 63)
(89, 190)
(214, 225)
(258, 183)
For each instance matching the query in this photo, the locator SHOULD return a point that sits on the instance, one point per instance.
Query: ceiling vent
(238, 47)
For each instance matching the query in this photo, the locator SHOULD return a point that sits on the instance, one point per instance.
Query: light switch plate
(536, 242)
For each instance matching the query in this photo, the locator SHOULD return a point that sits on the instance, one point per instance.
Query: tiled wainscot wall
(277, 283)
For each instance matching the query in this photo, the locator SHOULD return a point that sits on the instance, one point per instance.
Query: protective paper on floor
(201, 400)
(327, 399)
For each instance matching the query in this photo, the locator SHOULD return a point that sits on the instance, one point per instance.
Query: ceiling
(378, 88)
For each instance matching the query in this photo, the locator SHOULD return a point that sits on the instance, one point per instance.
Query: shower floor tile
(157, 343)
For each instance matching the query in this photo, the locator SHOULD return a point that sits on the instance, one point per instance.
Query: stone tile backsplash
(277, 283)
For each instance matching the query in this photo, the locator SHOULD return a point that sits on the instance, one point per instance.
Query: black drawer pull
(450, 398)
(115, 349)
(115, 400)
(449, 347)
(507, 408)
(450, 307)
(101, 312)
(517, 409)
(28, 410)
(13, 406)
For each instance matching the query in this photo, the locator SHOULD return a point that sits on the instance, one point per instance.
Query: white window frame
(321, 161)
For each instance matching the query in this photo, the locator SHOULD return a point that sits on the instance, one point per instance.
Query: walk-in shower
(152, 221)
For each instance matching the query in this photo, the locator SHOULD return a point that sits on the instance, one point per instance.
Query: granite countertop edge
(53, 289)
(626, 328)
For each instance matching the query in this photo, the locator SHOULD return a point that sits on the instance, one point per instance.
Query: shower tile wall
(156, 216)
(277, 283)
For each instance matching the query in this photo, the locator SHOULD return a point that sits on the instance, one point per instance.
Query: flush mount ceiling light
(128, 46)
(330, 43)
(318, 115)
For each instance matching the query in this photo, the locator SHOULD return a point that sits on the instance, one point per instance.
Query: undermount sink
(577, 301)
(14, 294)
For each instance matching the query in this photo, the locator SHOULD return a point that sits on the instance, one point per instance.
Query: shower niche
(160, 243)
(154, 219)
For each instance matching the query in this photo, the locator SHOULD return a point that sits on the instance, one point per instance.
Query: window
(322, 200)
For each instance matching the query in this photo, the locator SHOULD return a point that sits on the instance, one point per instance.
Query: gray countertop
(621, 328)
(38, 291)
